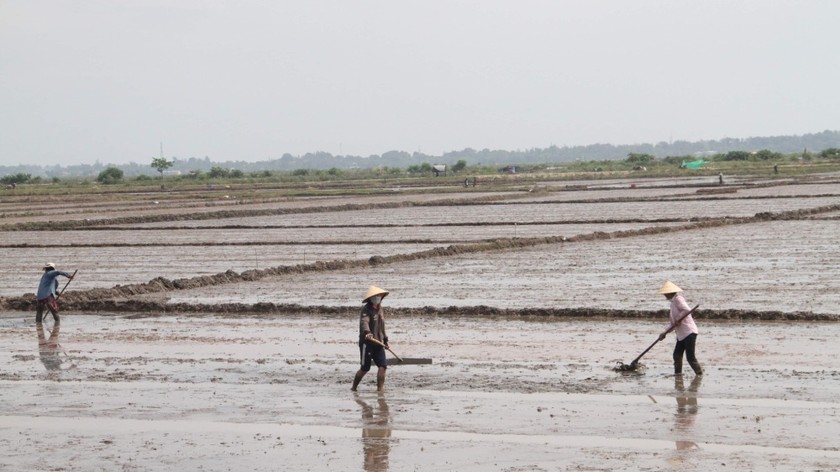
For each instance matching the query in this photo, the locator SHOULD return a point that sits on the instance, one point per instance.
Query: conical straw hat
(374, 291)
(669, 287)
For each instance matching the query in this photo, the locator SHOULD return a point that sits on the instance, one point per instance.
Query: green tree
(19, 178)
(639, 158)
(459, 166)
(736, 156)
(111, 175)
(217, 172)
(830, 153)
(767, 155)
(161, 164)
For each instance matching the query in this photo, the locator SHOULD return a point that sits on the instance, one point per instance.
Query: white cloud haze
(89, 80)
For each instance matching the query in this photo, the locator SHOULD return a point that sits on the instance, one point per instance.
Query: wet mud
(217, 392)
(247, 364)
(119, 296)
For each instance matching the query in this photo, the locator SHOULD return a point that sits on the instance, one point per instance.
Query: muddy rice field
(215, 328)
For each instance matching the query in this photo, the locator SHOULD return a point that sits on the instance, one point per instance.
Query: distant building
(439, 169)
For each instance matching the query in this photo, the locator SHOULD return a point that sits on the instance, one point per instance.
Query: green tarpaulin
(693, 164)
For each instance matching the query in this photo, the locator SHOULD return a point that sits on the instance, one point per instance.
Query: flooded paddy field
(105, 266)
(120, 391)
(207, 335)
(33, 209)
(522, 212)
(790, 266)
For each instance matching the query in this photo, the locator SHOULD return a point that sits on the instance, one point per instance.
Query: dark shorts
(47, 303)
(372, 353)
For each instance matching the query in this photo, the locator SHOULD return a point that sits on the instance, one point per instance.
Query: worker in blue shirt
(46, 295)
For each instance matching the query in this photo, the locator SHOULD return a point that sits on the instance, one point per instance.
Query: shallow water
(268, 392)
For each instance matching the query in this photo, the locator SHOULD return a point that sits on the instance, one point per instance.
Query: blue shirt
(48, 283)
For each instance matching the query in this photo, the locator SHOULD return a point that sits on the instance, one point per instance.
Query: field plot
(774, 271)
(776, 257)
(111, 392)
(525, 212)
(107, 266)
(625, 193)
(626, 182)
(155, 205)
(307, 234)
(791, 190)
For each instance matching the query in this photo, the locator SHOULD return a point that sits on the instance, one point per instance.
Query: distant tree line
(824, 144)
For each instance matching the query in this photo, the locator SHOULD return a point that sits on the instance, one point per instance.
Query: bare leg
(380, 379)
(358, 378)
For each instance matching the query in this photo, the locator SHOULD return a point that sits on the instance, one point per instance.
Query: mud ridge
(143, 308)
(161, 284)
(243, 243)
(408, 225)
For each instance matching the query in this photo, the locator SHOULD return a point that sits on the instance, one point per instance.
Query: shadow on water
(376, 434)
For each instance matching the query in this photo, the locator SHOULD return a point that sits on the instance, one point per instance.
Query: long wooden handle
(636, 360)
(681, 318)
(376, 341)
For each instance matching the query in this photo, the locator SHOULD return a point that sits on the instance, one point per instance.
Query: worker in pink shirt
(686, 330)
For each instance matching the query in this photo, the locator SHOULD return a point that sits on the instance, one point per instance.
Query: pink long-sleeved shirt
(679, 307)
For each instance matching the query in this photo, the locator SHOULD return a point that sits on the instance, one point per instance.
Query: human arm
(364, 325)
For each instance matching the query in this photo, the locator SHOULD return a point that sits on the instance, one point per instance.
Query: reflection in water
(48, 348)
(376, 434)
(686, 409)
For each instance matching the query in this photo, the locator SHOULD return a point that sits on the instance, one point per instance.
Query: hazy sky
(108, 80)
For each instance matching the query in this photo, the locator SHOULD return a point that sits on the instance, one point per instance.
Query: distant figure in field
(46, 295)
(775, 168)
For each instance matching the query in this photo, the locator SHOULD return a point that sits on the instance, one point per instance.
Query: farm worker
(46, 295)
(686, 330)
(372, 327)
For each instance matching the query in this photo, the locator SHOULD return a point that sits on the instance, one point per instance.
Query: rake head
(622, 367)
